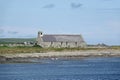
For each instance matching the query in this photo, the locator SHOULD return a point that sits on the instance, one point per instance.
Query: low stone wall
(13, 45)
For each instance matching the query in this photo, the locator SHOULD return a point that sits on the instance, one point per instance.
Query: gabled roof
(62, 38)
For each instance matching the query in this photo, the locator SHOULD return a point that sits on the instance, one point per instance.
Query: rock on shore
(27, 57)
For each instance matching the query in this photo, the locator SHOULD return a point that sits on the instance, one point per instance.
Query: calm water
(81, 69)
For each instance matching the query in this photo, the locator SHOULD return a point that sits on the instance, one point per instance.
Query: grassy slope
(16, 40)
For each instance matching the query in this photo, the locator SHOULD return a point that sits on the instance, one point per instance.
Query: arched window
(61, 43)
(41, 33)
(51, 43)
(76, 43)
(66, 43)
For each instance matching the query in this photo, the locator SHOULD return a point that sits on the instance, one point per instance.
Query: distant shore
(27, 57)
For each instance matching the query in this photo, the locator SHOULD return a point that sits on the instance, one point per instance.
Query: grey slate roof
(62, 38)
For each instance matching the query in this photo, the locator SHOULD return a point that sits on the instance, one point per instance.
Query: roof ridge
(64, 34)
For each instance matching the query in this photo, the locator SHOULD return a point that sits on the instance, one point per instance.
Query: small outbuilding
(60, 40)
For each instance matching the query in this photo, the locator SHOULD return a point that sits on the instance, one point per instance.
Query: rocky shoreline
(32, 57)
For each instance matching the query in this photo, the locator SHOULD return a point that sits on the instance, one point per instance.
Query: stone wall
(62, 44)
(13, 45)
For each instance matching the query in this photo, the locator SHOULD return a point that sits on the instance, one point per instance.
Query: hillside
(16, 40)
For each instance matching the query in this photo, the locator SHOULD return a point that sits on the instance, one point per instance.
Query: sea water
(63, 69)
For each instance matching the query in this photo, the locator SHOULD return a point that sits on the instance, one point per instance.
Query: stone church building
(60, 40)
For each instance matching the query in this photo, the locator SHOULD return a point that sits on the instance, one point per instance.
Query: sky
(98, 21)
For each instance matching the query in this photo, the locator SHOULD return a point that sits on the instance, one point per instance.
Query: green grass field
(26, 49)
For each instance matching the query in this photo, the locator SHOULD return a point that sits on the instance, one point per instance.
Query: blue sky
(97, 20)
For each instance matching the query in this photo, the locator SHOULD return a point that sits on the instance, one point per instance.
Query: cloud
(114, 25)
(30, 36)
(1, 31)
(115, 9)
(49, 6)
(76, 5)
(12, 32)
